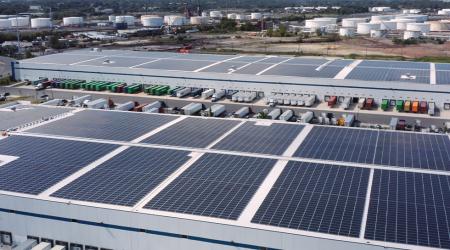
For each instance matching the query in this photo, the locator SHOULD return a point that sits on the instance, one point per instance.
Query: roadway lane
(374, 118)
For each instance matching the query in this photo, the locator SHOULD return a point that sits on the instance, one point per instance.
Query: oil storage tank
(5, 24)
(174, 20)
(401, 23)
(37, 23)
(256, 16)
(73, 21)
(129, 20)
(199, 20)
(22, 21)
(419, 27)
(352, 22)
(152, 21)
(347, 32)
(365, 28)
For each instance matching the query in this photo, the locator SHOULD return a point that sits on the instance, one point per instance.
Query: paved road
(374, 118)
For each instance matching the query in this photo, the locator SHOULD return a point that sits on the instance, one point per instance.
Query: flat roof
(227, 66)
(351, 184)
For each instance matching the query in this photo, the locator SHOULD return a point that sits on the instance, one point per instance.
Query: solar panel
(443, 77)
(126, 178)
(25, 114)
(389, 74)
(427, 151)
(215, 185)
(304, 70)
(175, 64)
(339, 144)
(44, 162)
(192, 132)
(316, 197)
(120, 126)
(409, 208)
(395, 64)
(250, 137)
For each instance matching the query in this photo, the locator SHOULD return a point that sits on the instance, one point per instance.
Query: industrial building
(323, 77)
(97, 179)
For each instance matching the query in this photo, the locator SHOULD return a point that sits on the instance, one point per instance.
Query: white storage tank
(411, 11)
(388, 25)
(231, 16)
(347, 32)
(175, 20)
(365, 28)
(72, 21)
(112, 19)
(416, 18)
(241, 17)
(20, 21)
(41, 23)
(378, 19)
(444, 12)
(5, 24)
(401, 23)
(129, 20)
(437, 26)
(152, 21)
(411, 34)
(215, 14)
(199, 20)
(376, 33)
(318, 23)
(420, 27)
(352, 22)
(256, 16)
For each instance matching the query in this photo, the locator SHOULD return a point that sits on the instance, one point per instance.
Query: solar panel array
(216, 186)
(44, 162)
(443, 77)
(254, 138)
(25, 114)
(192, 132)
(410, 208)
(316, 197)
(126, 178)
(389, 74)
(98, 124)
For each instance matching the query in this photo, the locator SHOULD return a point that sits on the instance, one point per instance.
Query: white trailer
(125, 106)
(97, 104)
(349, 120)
(287, 115)
(216, 110)
(218, 95)
(242, 112)
(78, 101)
(192, 108)
(54, 102)
(207, 93)
(183, 92)
(153, 105)
(274, 114)
(307, 117)
(310, 100)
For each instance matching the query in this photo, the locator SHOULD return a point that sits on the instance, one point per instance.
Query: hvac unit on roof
(408, 76)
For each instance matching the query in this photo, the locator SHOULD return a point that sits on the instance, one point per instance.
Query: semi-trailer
(385, 104)
(287, 115)
(215, 110)
(431, 108)
(97, 104)
(399, 105)
(125, 106)
(192, 108)
(218, 95)
(242, 112)
(415, 107)
(332, 101)
(407, 107)
(274, 114)
(207, 93)
(183, 92)
(307, 117)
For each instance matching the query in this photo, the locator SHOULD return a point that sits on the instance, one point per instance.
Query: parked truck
(97, 104)
(215, 110)
(192, 108)
(332, 101)
(183, 92)
(287, 115)
(431, 108)
(218, 95)
(207, 93)
(385, 104)
(274, 114)
(307, 117)
(361, 103)
(127, 106)
(242, 112)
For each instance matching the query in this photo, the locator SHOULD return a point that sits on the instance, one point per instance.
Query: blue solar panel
(316, 197)
(442, 66)
(395, 64)
(338, 144)
(215, 186)
(414, 150)
(192, 132)
(389, 74)
(44, 162)
(304, 70)
(126, 178)
(443, 77)
(120, 126)
(409, 208)
(272, 139)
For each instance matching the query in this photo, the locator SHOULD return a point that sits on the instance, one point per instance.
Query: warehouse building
(97, 179)
(323, 77)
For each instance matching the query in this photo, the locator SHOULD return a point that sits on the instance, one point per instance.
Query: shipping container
(423, 107)
(274, 114)
(385, 104)
(192, 108)
(183, 92)
(332, 101)
(407, 107)
(401, 125)
(415, 107)
(242, 112)
(431, 108)
(399, 105)
(361, 103)
(369, 103)
(287, 115)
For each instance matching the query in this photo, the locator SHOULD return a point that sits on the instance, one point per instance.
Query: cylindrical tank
(317, 23)
(152, 21)
(442, 25)
(411, 11)
(388, 25)
(378, 19)
(241, 17)
(444, 12)
(20, 21)
(401, 23)
(41, 23)
(199, 20)
(72, 21)
(420, 27)
(347, 32)
(365, 28)
(416, 18)
(215, 14)
(256, 16)
(125, 19)
(352, 22)
(5, 24)
(175, 20)
(112, 19)
(376, 33)
(411, 34)
(231, 16)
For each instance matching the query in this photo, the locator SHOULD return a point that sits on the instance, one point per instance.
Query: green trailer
(399, 105)
(384, 104)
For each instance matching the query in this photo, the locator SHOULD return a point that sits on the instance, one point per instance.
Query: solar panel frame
(316, 197)
(443, 77)
(273, 139)
(126, 178)
(388, 74)
(192, 132)
(43, 162)
(216, 185)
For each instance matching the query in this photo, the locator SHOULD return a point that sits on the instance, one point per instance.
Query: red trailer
(332, 101)
(423, 107)
(369, 103)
